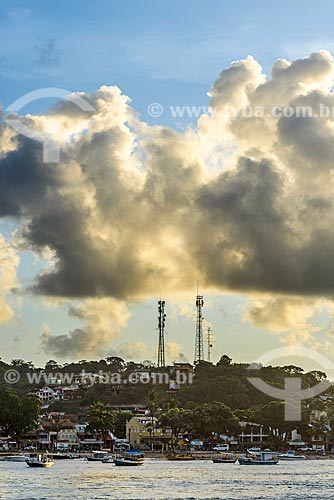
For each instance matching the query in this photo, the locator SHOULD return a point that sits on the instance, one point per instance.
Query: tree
(52, 365)
(18, 415)
(31, 408)
(153, 405)
(101, 417)
(24, 364)
(318, 375)
(214, 417)
(178, 419)
(147, 364)
(319, 428)
(18, 362)
(121, 419)
(317, 404)
(224, 361)
(272, 417)
(116, 361)
(293, 370)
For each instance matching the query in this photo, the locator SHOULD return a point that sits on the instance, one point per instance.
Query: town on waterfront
(201, 409)
(166, 244)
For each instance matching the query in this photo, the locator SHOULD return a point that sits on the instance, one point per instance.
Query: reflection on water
(163, 480)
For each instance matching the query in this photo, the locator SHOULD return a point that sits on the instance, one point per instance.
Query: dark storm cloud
(23, 179)
(251, 239)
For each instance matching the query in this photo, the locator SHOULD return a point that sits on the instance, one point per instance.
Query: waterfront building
(143, 431)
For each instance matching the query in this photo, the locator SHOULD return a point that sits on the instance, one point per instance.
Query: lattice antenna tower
(199, 347)
(161, 328)
(209, 340)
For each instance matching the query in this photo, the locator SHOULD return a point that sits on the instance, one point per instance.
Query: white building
(67, 438)
(252, 433)
(47, 395)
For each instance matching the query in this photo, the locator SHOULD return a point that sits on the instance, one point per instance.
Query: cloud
(9, 262)
(102, 320)
(237, 83)
(136, 350)
(284, 314)
(174, 351)
(131, 206)
(297, 320)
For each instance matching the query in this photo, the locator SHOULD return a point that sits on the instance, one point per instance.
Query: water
(163, 480)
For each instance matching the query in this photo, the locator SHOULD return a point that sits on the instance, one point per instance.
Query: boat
(16, 458)
(291, 456)
(253, 450)
(227, 458)
(130, 458)
(97, 456)
(180, 456)
(266, 457)
(108, 460)
(40, 461)
(63, 456)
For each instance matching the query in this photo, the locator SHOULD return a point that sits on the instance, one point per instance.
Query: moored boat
(129, 459)
(63, 456)
(226, 458)
(180, 456)
(97, 456)
(40, 461)
(16, 458)
(291, 456)
(266, 457)
(253, 450)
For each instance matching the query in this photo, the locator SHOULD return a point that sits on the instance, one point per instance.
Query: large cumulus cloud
(131, 206)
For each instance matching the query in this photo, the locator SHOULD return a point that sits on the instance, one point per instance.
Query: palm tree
(153, 406)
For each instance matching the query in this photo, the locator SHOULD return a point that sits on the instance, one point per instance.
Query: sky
(143, 206)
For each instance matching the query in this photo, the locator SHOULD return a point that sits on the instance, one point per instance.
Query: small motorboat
(108, 460)
(40, 461)
(227, 458)
(97, 456)
(266, 457)
(253, 450)
(180, 456)
(291, 456)
(130, 458)
(63, 456)
(16, 458)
